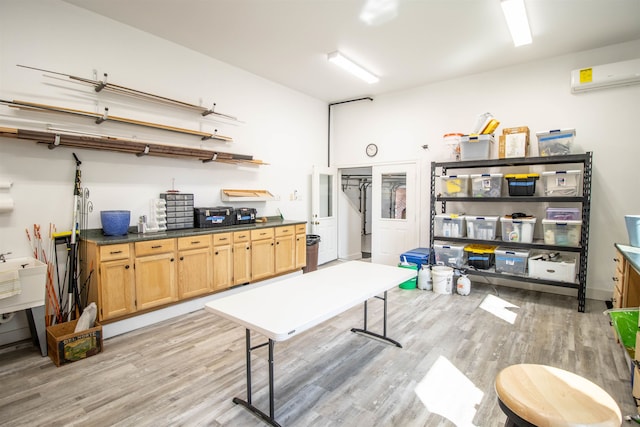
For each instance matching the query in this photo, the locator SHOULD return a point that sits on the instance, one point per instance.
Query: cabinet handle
(156, 247)
(216, 253)
(126, 267)
(242, 236)
(195, 242)
(248, 247)
(616, 259)
(615, 279)
(181, 258)
(222, 239)
(271, 243)
(115, 252)
(172, 260)
(278, 242)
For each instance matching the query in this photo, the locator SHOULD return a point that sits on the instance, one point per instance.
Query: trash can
(313, 241)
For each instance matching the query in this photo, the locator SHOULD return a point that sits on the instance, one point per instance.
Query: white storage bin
(455, 185)
(511, 261)
(449, 225)
(449, 254)
(517, 230)
(561, 233)
(481, 227)
(486, 185)
(555, 142)
(562, 270)
(476, 147)
(561, 183)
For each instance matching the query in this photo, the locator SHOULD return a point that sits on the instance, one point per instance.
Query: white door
(394, 213)
(324, 212)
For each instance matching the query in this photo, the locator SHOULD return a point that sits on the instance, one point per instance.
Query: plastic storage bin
(561, 269)
(476, 147)
(522, 184)
(511, 261)
(556, 142)
(449, 225)
(563, 214)
(481, 227)
(486, 185)
(561, 233)
(517, 230)
(561, 183)
(449, 254)
(481, 257)
(417, 256)
(455, 185)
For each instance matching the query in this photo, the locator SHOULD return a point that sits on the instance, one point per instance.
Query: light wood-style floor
(185, 371)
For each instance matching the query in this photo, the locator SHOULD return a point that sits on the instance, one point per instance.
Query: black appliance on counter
(245, 215)
(219, 216)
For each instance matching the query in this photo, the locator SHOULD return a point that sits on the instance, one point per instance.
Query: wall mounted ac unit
(605, 76)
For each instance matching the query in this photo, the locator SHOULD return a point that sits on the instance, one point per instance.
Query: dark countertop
(631, 254)
(96, 235)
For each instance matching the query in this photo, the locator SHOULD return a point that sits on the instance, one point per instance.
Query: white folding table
(286, 308)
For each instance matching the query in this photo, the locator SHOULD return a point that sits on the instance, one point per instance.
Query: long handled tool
(73, 245)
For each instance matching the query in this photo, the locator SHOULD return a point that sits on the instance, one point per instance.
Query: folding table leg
(270, 419)
(384, 336)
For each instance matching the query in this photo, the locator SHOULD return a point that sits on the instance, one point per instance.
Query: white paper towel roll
(6, 204)
(5, 185)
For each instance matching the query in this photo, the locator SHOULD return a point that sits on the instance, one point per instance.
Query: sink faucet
(2, 258)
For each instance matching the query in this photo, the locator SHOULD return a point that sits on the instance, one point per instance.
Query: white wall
(536, 95)
(282, 127)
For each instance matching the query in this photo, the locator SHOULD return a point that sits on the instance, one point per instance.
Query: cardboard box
(66, 346)
(516, 142)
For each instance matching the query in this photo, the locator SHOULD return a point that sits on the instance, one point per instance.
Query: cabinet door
(194, 272)
(301, 251)
(155, 280)
(262, 259)
(241, 263)
(285, 253)
(117, 292)
(222, 266)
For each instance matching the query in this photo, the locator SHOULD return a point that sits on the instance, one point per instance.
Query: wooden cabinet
(626, 283)
(285, 255)
(262, 253)
(115, 290)
(241, 257)
(301, 246)
(195, 266)
(155, 266)
(222, 261)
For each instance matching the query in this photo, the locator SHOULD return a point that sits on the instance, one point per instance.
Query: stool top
(547, 396)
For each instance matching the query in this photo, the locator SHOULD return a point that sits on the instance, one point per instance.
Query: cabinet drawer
(241, 236)
(620, 261)
(113, 252)
(301, 228)
(222, 239)
(285, 231)
(618, 279)
(263, 233)
(152, 247)
(194, 242)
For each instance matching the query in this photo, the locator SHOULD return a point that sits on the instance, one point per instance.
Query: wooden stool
(542, 396)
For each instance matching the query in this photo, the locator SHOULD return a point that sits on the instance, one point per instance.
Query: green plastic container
(411, 283)
(625, 322)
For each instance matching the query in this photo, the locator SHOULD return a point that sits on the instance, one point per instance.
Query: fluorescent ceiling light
(517, 21)
(341, 61)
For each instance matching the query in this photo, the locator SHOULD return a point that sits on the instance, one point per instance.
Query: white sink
(32, 275)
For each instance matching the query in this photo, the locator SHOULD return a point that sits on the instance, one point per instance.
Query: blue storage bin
(418, 256)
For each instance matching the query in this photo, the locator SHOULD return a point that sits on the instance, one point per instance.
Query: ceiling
(423, 41)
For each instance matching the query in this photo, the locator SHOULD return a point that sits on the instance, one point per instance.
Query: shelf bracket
(212, 159)
(104, 117)
(101, 85)
(144, 152)
(209, 111)
(55, 143)
(212, 136)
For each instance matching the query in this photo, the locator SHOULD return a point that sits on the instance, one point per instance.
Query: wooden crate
(65, 346)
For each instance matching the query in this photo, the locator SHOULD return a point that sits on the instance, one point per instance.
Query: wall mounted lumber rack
(124, 145)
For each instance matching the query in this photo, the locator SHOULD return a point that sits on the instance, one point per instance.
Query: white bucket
(442, 279)
(424, 278)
